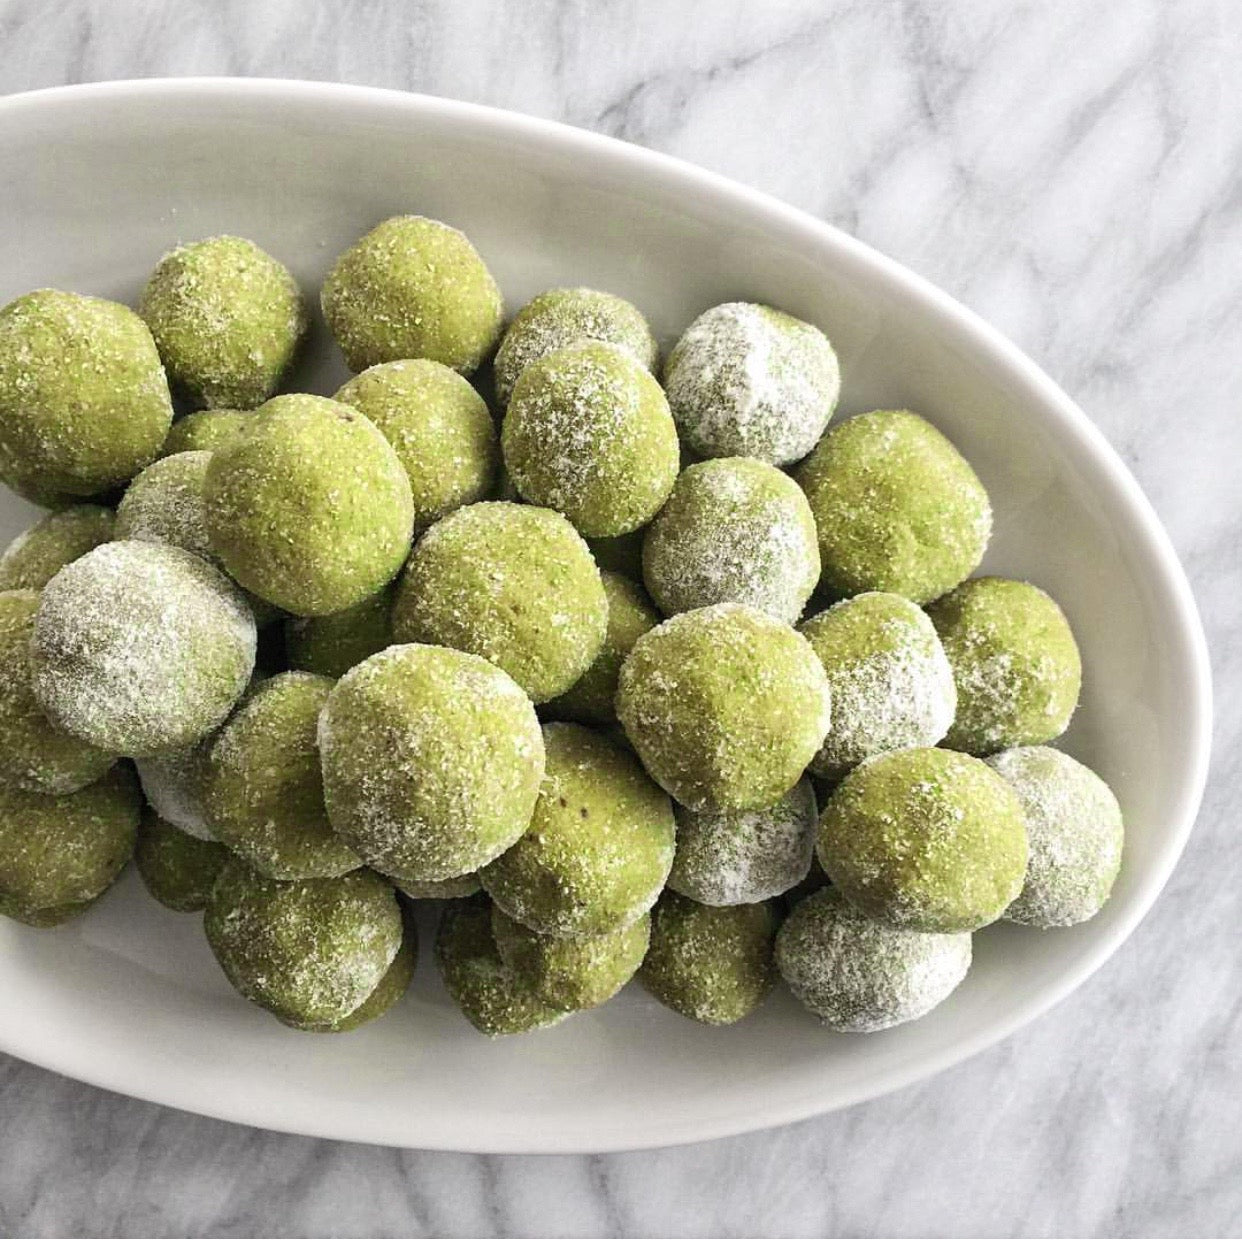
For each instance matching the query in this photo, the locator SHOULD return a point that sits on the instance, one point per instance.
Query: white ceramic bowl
(100, 180)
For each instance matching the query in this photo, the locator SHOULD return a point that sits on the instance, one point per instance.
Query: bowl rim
(1186, 638)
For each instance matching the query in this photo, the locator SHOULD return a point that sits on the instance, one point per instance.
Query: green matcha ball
(859, 975)
(1074, 826)
(438, 425)
(442, 889)
(178, 869)
(413, 287)
(57, 850)
(599, 846)
(513, 584)
(391, 988)
(713, 965)
(263, 788)
(140, 648)
(491, 996)
(622, 554)
(34, 755)
(733, 531)
(897, 507)
(331, 645)
(747, 380)
(725, 706)
(432, 761)
(310, 509)
(204, 431)
(84, 404)
(1015, 663)
(571, 974)
(173, 784)
(589, 433)
(630, 615)
(745, 856)
(565, 316)
(925, 839)
(43, 918)
(892, 686)
(35, 556)
(311, 952)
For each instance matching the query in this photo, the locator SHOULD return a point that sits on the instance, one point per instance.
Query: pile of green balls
(643, 672)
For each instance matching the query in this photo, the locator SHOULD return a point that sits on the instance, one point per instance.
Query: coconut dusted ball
(205, 430)
(745, 856)
(747, 380)
(713, 965)
(227, 319)
(263, 789)
(413, 287)
(140, 648)
(442, 889)
(892, 686)
(432, 761)
(1015, 663)
(173, 784)
(84, 404)
(733, 531)
(925, 839)
(178, 869)
(589, 433)
(1074, 826)
(860, 976)
(571, 974)
(438, 425)
(391, 988)
(725, 707)
(310, 509)
(513, 584)
(311, 952)
(331, 645)
(599, 846)
(897, 507)
(35, 556)
(165, 504)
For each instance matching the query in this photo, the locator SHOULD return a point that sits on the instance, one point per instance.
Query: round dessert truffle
(35, 556)
(925, 839)
(897, 507)
(331, 645)
(204, 431)
(173, 784)
(892, 686)
(432, 761)
(565, 316)
(630, 615)
(140, 648)
(391, 988)
(513, 584)
(176, 868)
(227, 319)
(443, 888)
(713, 965)
(263, 788)
(745, 856)
(1074, 826)
(413, 287)
(599, 846)
(860, 976)
(310, 509)
(491, 996)
(733, 531)
(747, 380)
(1015, 663)
(589, 433)
(84, 404)
(439, 426)
(725, 706)
(571, 974)
(311, 952)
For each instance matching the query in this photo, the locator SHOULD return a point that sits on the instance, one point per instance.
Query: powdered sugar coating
(173, 783)
(37, 554)
(164, 503)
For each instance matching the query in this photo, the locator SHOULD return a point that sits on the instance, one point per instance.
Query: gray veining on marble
(1071, 169)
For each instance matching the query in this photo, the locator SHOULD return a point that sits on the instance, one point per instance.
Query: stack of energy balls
(605, 666)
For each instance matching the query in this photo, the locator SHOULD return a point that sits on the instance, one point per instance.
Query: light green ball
(513, 584)
(173, 781)
(589, 433)
(310, 509)
(391, 989)
(84, 404)
(413, 287)
(35, 556)
(1015, 663)
(331, 645)
(178, 869)
(205, 431)
(442, 889)
(897, 507)
(925, 839)
(725, 706)
(599, 846)
(165, 504)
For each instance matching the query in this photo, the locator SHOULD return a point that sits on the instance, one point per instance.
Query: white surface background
(1071, 170)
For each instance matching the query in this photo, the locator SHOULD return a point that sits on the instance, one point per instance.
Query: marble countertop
(1069, 169)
